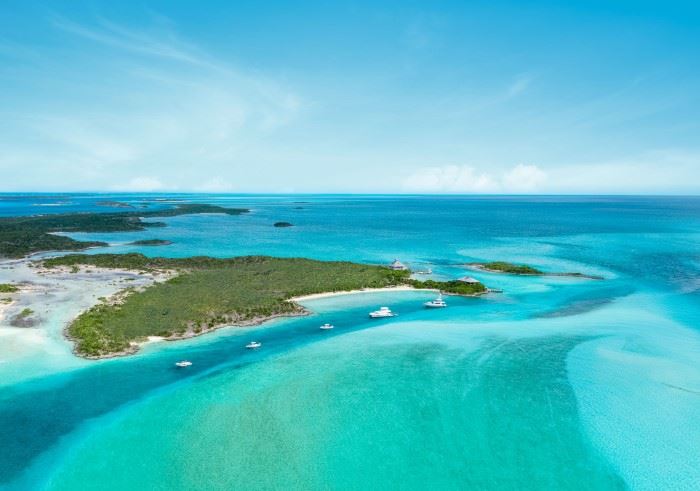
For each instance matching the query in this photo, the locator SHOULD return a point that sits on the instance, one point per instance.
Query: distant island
(24, 235)
(283, 224)
(524, 270)
(150, 242)
(205, 293)
(113, 204)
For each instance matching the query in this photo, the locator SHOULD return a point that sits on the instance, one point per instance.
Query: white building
(468, 279)
(398, 266)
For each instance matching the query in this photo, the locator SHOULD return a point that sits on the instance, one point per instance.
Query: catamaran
(253, 345)
(327, 326)
(382, 312)
(437, 303)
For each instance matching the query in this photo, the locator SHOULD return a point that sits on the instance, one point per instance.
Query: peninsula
(24, 235)
(206, 293)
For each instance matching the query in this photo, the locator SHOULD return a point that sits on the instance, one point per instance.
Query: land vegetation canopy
(210, 292)
(20, 236)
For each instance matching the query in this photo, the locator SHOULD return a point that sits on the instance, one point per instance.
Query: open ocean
(557, 383)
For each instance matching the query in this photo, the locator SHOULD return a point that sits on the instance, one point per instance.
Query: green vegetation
(505, 267)
(8, 288)
(26, 312)
(207, 293)
(20, 236)
(151, 242)
(454, 287)
(210, 292)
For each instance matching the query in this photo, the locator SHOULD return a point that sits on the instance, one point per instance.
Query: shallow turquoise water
(558, 383)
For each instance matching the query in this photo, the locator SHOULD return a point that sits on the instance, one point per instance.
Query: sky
(570, 97)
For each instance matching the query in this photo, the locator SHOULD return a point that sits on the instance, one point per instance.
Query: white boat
(438, 303)
(382, 312)
(327, 326)
(253, 345)
(183, 364)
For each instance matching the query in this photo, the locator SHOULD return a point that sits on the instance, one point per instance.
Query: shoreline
(124, 281)
(315, 296)
(136, 346)
(482, 267)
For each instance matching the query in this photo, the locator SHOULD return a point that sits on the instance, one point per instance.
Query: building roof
(398, 265)
(468, 279)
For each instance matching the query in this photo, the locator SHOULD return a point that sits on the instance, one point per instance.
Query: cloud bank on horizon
(555, 97)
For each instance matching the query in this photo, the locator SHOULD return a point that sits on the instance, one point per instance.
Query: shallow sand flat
(56, 297)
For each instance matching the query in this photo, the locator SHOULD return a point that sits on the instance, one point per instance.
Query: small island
(523, 270)
(283, 224)
(114, 204)
(204, 293)
(150, 242)
(8, 288)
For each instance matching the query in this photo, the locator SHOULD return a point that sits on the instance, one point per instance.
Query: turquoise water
(558, 383)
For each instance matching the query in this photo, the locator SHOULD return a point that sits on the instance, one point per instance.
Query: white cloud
(215, 185)
(467, 179)
(143, 184)
(524, 178)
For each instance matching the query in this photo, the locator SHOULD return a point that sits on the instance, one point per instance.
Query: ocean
(556, 383)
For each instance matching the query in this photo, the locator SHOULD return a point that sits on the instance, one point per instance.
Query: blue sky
(454, 97)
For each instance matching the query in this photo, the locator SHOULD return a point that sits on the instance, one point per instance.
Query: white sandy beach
(315, 296)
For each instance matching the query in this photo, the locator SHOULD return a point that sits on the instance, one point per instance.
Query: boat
(327, 326)
(382, 312)
(253, 345)
(427, 271)
(438, 303)
(183, 364)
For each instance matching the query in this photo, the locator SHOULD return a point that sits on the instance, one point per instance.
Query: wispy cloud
(143, 184)
(519, 85)
(151, 103)
(164, 44)
(467, 179)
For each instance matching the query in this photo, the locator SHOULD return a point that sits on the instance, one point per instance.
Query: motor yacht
(253, 345)
(382, 312)
(438, 303)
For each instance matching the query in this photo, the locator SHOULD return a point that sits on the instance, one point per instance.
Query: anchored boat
(382, 312)
(253, 345)
(438, 303)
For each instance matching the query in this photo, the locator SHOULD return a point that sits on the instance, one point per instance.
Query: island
(24, 235)
(523, 270)
(283, 224)
(150, 242)
(114, 204)
(205, 293)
